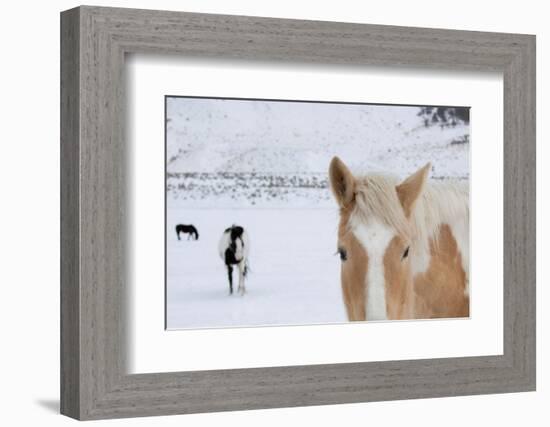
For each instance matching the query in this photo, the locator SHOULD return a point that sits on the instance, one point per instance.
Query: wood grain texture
(95, 274)
(70, 257)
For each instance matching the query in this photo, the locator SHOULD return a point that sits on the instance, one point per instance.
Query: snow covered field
(294, 276)
(263, 165)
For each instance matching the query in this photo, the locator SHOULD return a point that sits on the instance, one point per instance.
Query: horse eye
(406, 253)
(343, 254)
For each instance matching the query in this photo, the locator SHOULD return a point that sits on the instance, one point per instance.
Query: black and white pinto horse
(234, 248)
(189, 229)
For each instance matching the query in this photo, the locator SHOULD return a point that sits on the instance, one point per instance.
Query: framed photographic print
(349, 208)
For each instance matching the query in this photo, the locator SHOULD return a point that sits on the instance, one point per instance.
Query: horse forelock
(376, 201)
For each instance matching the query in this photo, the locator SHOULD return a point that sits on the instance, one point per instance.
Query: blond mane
(441, 202)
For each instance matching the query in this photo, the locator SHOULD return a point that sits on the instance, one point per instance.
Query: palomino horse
(404, 245)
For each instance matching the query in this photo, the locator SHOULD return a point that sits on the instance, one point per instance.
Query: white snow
(294, 273)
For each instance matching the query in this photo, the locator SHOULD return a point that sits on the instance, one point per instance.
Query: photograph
(292, 212)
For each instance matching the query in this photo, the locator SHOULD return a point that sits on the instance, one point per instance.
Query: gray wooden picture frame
(94, 381)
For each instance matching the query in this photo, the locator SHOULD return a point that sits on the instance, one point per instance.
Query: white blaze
(375, 238)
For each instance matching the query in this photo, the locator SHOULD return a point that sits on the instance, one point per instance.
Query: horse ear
(342, 182)
(410, 189)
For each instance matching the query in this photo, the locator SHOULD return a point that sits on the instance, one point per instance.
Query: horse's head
(375, 239)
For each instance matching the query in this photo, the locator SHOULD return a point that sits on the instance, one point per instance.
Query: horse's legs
(178, 234)
(242, 267)
(230, 276)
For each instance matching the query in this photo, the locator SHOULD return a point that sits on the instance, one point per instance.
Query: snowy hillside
(211, 144)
